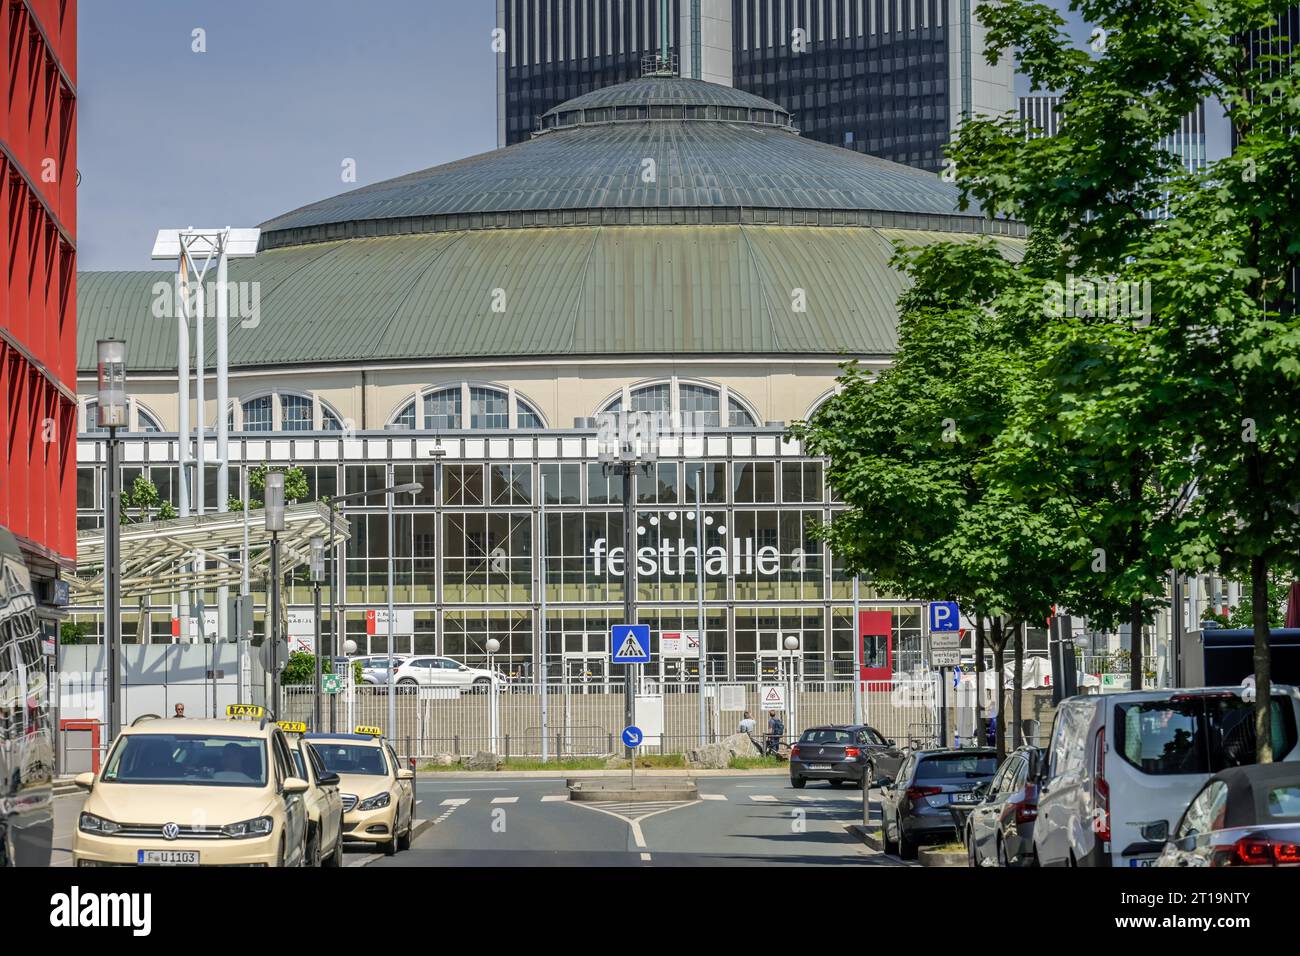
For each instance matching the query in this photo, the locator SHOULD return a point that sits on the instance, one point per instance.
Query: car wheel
(891, 846)
(869, 776)
(972, 859)
(797, 782)
(390, 846)
(279, 855)
(335, 859)
(404, 841)
(311, 857)
(1003, 860)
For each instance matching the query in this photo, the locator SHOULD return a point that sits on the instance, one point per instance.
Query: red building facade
(38, 329)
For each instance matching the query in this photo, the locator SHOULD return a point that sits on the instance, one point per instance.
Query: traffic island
(620, 789)
(942, 856)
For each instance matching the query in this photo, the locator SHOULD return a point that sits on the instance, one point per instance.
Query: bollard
(559, 743)
(506, 754)
(609, 744)
(455, 744)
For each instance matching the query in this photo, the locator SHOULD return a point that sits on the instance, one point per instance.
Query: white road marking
(452, 802)
(645, 857)
(762, 798)
(553, 797)
(651, 808)
(505, 799)
(713, 796)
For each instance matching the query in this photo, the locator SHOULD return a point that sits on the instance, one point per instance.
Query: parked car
(915, 805)
(324, 806)
(443, 672)
(1000, 828)
(1244, 816)
(838, 753)
(1121, 767)
(378, 793)
(374, 667)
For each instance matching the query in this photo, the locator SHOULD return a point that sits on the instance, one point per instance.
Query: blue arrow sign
(632, 736)
(944, 616)
(629, 643)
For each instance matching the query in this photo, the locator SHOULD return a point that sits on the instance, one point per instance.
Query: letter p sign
(944, 616)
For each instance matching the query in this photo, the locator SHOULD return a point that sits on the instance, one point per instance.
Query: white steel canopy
(199, 553)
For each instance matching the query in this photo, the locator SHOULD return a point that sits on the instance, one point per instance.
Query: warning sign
(771, 697)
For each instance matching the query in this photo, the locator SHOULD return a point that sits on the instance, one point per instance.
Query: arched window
(142, 419)
(698, 403)
(467, 406)
(282, 411)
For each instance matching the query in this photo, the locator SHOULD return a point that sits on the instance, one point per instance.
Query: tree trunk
(1017, 682)
(1263, 661)
(999, 645)
(980, 736)
(1135, 622)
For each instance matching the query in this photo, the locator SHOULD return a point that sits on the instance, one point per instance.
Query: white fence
(586, 719)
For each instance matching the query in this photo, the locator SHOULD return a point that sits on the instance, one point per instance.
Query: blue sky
(262, 121)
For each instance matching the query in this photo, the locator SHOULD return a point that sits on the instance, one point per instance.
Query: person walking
(775, 730)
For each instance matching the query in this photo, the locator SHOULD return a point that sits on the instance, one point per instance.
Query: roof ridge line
(410, 289)
(753, 263)
(582, 281)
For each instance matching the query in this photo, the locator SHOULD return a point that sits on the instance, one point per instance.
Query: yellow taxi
(324, 802)
(378, 794)
(185, 792)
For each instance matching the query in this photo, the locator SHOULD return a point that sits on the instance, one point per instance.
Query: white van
(1121, 768)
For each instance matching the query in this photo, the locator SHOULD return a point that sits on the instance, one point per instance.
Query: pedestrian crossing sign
(629, 643)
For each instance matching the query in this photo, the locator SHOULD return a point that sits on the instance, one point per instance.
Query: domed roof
(667, 91)
(658, 150)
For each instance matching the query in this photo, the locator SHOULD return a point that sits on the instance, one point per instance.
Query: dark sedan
(915, 805)
(843, 752)
(1000, 828)
(1243, 816)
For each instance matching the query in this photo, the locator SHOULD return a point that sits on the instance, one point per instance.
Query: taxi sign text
(245, 710)
(292, 726)
(369, 731)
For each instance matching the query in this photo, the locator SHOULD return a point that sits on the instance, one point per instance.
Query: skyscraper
(887, 77)
(38, 336)
(1043, 114)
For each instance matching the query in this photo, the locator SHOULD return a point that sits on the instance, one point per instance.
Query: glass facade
(497, 528)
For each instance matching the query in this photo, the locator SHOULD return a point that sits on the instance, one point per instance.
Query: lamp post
(274, 511)
(633, 448)
(112, 412)
(493, 645)
(699, 592)
(317, 575)
(791, 644)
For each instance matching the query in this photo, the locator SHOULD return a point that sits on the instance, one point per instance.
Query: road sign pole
(629, 586)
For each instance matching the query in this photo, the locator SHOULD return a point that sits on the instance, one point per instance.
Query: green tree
(1222, 327)
(73, 632)
(295, 487)
(301, 668)
(144, 498)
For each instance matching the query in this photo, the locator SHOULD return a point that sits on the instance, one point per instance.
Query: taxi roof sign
(368, 731)
(292, 726)
(245, 710)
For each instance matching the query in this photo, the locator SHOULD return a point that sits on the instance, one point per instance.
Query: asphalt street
(740, 821)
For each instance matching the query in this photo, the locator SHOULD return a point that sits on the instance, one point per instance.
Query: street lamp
(336, 578)
(274, 512)
(317, 575)
(112, 412)
(493, 645)
(791, 644)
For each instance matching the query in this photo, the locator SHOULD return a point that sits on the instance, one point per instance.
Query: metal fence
(584, 718)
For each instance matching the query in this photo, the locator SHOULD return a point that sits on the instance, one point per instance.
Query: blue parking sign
(944, 616)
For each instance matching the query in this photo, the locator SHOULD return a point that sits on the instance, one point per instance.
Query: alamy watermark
(243, 301)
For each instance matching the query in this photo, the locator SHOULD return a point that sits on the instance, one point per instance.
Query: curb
(871, 838)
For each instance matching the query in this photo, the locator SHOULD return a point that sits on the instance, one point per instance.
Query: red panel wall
(38, 329)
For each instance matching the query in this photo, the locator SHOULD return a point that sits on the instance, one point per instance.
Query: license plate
(1142, 861)
(964, 798)
(819, 766)
(167, 857)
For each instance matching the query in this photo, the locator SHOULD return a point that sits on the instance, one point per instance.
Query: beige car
(378, 795)
(324, 806)
(182, 792)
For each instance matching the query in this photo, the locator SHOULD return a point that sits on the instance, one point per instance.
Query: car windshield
(188, 759)
(352, 758)
(957, 766)
(825, 737)
(1197, 734)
